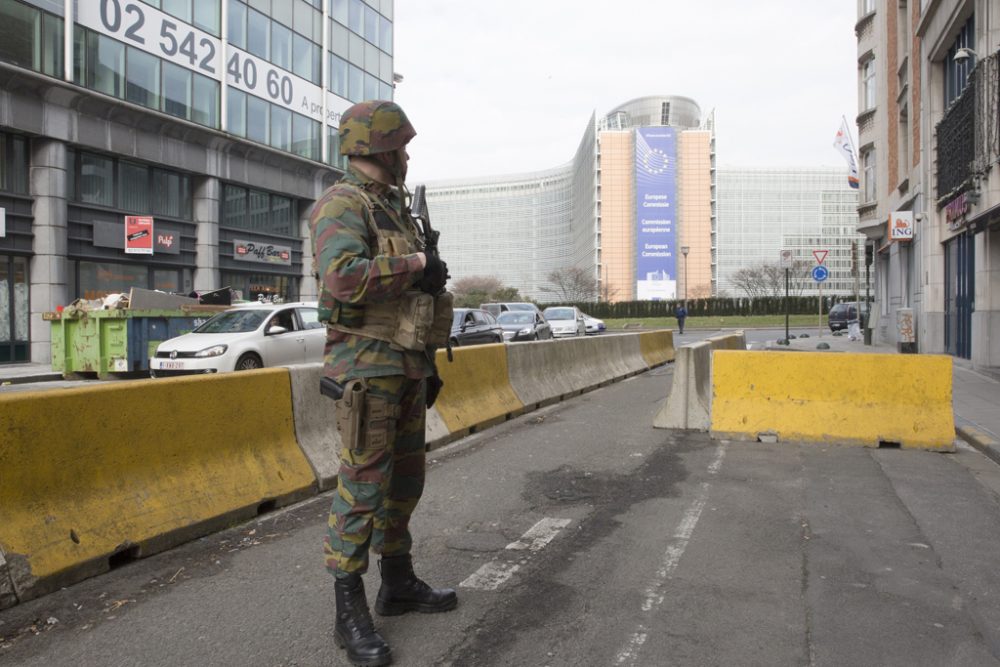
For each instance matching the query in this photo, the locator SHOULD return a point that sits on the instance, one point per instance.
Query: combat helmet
(376, 126)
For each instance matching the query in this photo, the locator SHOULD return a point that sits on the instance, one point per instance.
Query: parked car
(593, 325)
(248, 336)
(472, 326)
(495, 309)
(565, 321)
(843, 313)
(521, 325)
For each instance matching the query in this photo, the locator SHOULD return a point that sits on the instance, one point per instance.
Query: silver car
(566, 321)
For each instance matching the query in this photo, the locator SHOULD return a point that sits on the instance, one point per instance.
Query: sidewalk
(975, 396)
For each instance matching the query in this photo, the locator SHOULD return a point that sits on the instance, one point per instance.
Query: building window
(868, 165)
(257, 211)
(13, 164)
(129, 186)
(31, 38)
(868, 85)
(956, 72)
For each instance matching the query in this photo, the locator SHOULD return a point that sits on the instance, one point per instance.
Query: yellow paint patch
(657, 347)
(85, 471)
(843, 398)
(477, 389)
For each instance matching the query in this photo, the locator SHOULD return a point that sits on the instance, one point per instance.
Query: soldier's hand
(434, 385)
(435, 275)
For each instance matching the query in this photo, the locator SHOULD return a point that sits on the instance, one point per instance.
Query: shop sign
(901, 226)
(138, 235)
(262, 253)
(167, 241)
(955, 212)
(3, 222)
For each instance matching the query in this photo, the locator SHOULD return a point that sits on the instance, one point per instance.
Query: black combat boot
(402, 591)
(355, 629)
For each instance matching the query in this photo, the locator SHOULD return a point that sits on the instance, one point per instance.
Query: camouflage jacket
(351, 274)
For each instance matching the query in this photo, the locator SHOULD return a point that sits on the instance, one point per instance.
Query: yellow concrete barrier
(128, 469)
(477, 390)
(864, 399)
(657, 347)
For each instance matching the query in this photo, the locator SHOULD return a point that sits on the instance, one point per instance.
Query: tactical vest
(417, 319)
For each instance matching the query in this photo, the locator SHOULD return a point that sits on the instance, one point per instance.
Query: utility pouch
(413, 324)
(441, 324)
(350, 412)
(380, 423)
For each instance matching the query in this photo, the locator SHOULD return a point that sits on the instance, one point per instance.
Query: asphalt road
(580, 535)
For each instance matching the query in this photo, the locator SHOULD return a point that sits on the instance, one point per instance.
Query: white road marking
(492, 575)
(654, 594)
(540, 534)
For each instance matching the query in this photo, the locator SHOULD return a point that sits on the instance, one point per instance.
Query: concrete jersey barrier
(657, 347)
(125, 470)
(689, 404)
(315, 423)
(865, 399)
(477, 391)
(547, 371)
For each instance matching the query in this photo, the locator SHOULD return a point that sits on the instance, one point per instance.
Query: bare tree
(473, 290)
(571, 285)
(769, 279)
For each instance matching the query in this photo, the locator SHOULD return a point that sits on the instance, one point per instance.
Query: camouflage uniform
(379, 487)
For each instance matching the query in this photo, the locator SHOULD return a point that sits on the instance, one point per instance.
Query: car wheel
(248, 362)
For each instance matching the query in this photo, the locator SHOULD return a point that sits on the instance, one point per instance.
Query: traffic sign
(820, 255)
(820, 273)
(786, 259)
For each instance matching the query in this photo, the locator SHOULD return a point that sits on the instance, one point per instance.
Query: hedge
(715, 306)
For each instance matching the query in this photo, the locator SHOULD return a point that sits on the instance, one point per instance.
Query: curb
(981, 440)
(26, 379)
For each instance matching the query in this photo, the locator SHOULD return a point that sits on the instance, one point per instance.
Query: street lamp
(684, 251)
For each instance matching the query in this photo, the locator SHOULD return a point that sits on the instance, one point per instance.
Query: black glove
(435, 275)
(434, 384)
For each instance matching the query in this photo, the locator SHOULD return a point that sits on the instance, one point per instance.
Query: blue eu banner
(656, 212)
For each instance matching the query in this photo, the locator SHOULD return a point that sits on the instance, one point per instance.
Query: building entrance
(960, 289)
(14, 310)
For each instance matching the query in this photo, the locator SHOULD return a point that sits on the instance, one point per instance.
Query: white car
(248, 336)
(565, 321)
(593, 325)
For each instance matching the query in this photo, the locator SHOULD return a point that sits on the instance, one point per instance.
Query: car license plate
(172, 365)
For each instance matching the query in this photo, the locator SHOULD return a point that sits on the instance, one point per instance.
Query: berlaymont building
(170, 144)
(643, 211)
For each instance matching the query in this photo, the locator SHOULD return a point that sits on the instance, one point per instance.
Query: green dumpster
(115, 341)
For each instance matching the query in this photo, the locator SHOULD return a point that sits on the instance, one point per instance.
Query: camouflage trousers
(378, 488)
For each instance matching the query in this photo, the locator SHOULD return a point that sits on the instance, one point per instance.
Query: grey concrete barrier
(315, 424)
(546, 371)
(689, 405)
(8, 595)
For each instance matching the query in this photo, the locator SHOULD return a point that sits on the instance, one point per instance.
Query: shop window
(99, 279)
(171, 194)
(234, 206)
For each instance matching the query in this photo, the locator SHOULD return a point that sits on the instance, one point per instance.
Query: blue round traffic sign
(820, 273)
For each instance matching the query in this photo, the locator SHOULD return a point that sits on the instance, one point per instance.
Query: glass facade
(13, 164)
(257, 211)
(763, 211)
(166, 55)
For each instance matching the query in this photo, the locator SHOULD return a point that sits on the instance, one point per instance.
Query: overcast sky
(508, 86)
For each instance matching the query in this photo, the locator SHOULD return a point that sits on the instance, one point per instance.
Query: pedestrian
(378, 291)
(681, 313)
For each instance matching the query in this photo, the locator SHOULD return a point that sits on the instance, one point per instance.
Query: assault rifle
(418, 209)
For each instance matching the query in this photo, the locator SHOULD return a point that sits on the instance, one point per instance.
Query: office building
(170, 144)
(762, 211)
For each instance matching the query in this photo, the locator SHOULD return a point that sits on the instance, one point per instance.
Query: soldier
(385, 307)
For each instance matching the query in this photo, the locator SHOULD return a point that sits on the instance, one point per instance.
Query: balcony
(967, 136)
